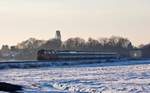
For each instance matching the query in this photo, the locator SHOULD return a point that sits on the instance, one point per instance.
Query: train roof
(80, 52)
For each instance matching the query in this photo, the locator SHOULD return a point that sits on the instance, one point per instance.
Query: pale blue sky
(21, 19)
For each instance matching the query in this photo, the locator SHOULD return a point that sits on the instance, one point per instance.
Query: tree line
(28, 49)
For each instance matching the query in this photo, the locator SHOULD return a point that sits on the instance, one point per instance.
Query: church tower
(58, 35)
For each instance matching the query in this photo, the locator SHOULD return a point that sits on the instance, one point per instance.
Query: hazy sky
(21, 19)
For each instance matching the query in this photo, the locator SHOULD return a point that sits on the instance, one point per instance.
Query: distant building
(13, 48)
(58, 35)
(136, 54)
(5, 48)
(5, 51)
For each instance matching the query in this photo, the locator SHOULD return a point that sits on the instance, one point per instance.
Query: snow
(96, 78)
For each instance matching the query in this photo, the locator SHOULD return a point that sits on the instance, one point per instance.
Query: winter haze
(21, 19)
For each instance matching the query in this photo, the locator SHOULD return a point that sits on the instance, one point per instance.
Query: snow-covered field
(82, 79)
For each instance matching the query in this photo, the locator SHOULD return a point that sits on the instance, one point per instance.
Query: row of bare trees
(92, 44)
(28, 49)
(113, 44)
(103, 44)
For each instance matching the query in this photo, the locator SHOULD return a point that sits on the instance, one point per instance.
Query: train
(75, 55)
